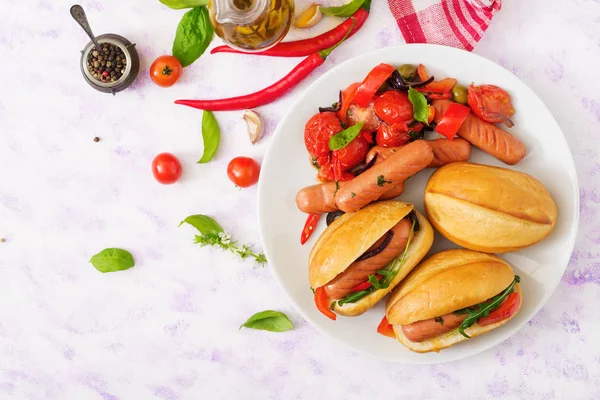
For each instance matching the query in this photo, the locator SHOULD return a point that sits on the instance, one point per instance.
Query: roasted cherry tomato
(317, 132)
(491, 104)
(347, 97)
(509, 306)
(354, 153)
(322, 304)
(366, 114)
(393, 106)
(243, 171)
(392, 135)
(165, 71)
(166, 168)
(385, 328)
(309, 227)
(372, 83)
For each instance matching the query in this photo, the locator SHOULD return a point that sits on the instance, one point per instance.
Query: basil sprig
(269, 320)
(193, 36)
(388, 275)
(484, 309)
(345, 10)
(211, 135)
(420, 107)
(343, 138)
(179, 4)
(112, 260)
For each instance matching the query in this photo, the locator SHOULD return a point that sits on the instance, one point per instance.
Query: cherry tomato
(322, 303)
(392, 135)
(366, 114)
(385, 328)
(317, 132)
(243, 171)
(166, 168)
(165, 71)
(354, 153)
(393, 106)
(509, 306)
(491, 104)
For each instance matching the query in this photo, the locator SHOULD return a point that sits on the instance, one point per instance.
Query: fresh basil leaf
(269, 320)
(179, 4)
(420, 107)
(112, 260)
(343, 11)
(205, 224)
(211, 136)
(343, 138)
(193, 36)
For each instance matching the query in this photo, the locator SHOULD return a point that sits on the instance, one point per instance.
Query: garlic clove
(309, 17)
(255, 125)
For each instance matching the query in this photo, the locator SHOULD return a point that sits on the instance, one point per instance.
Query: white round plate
(286, 169)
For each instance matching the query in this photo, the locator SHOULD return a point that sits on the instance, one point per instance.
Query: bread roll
(489, 209)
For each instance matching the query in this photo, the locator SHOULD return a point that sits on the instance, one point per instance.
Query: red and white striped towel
(456, 23)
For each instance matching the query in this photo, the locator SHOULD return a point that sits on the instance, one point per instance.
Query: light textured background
(168, 328)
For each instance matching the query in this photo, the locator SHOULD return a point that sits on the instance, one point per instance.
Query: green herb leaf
(269, 320)
(112, 260)
(179, 4)
(352, 194)
(211, 136)
(356, 296)
(381, 180)
(376, 283)
(343, 138)
(420, 107)
(484, 309)
(205, 224)
(193, 36)
(343, 11)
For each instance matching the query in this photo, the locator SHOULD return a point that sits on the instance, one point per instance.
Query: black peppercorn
(96, 139)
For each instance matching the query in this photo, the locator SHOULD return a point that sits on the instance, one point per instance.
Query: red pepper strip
(442, 87)
(271, 93)
(385, 328)
(365, 285)
(368, 136)
(422, 73)
(431, 114)
(321, 302)
(439, 96)
(301, 48)
(309, 227)
(372, 83)
(347, 97)
(452, 119)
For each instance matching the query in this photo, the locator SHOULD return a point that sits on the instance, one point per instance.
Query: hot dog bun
(489, 209)
(351, 235)
(446, 282)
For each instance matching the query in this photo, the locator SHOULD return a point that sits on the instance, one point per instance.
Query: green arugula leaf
(205, 224)
(269, 320)
(179, 4)
(484, 309)
(193, 36)
(112, 260)
(343, 11)
(211, 136)
(343, 138)
(420, 107)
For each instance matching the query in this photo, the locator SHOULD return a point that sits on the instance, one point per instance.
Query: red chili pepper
(309, 227)
(372, 83)
(452, 119)
(322, 304)
(301, 48)
(365, 285)
(385, 328)
(270, 93)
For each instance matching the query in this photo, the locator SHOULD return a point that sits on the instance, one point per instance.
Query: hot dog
(371, 184)
(382, 241)
(444, 152)
(320, 198)
(453, 296)
(485, 136)
(359, 271)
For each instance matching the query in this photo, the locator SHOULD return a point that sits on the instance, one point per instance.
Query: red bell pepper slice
(321, 302)
(422, 73)
(431, 114)
(385, 328)
(347, 97)
(372, 83)
(439, 88)
(365, 285)
(309, 227)
(452, 119)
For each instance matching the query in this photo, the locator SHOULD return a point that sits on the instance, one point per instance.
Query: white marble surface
(168, 328)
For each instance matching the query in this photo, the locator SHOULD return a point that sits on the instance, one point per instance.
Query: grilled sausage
(444, 152)
(485, 136)
(371, 184)
(422, 330)
(359, 271)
